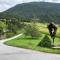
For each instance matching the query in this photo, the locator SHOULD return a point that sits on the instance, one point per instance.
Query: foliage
(31, 30)
(9, 34)
(45, 42)
(10, 27)
(3, 27)
(45, 12)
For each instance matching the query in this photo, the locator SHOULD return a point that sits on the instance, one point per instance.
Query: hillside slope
(45, 12)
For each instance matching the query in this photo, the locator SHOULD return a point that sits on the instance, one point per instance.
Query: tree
(45, 42)
(31, 30)
(2, 27)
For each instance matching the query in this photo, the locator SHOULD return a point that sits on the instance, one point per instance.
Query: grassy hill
(45, 12)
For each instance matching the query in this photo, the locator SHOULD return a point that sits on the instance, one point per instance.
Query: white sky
(5, 4)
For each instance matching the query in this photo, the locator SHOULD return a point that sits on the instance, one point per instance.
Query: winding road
(14, 53)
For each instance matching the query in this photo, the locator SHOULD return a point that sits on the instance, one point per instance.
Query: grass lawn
(30, 43)
(24, 42)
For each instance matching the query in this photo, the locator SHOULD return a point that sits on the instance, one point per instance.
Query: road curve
(14, 53)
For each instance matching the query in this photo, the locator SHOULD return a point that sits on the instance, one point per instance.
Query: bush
(31, 30)
(45, 42)
(9, 34)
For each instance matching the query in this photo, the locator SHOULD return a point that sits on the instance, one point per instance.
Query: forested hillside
(43, 11)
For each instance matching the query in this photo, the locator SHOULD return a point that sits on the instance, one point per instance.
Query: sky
(6, 4)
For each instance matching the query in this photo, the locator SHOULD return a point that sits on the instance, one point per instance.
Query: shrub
(45, 42)
(9, 34)
(31, 30)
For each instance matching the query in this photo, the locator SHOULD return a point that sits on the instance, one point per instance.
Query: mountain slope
(45, 12)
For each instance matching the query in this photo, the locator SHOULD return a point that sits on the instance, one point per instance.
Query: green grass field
(25, 42)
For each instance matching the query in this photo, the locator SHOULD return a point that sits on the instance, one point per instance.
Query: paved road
(14, 53)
